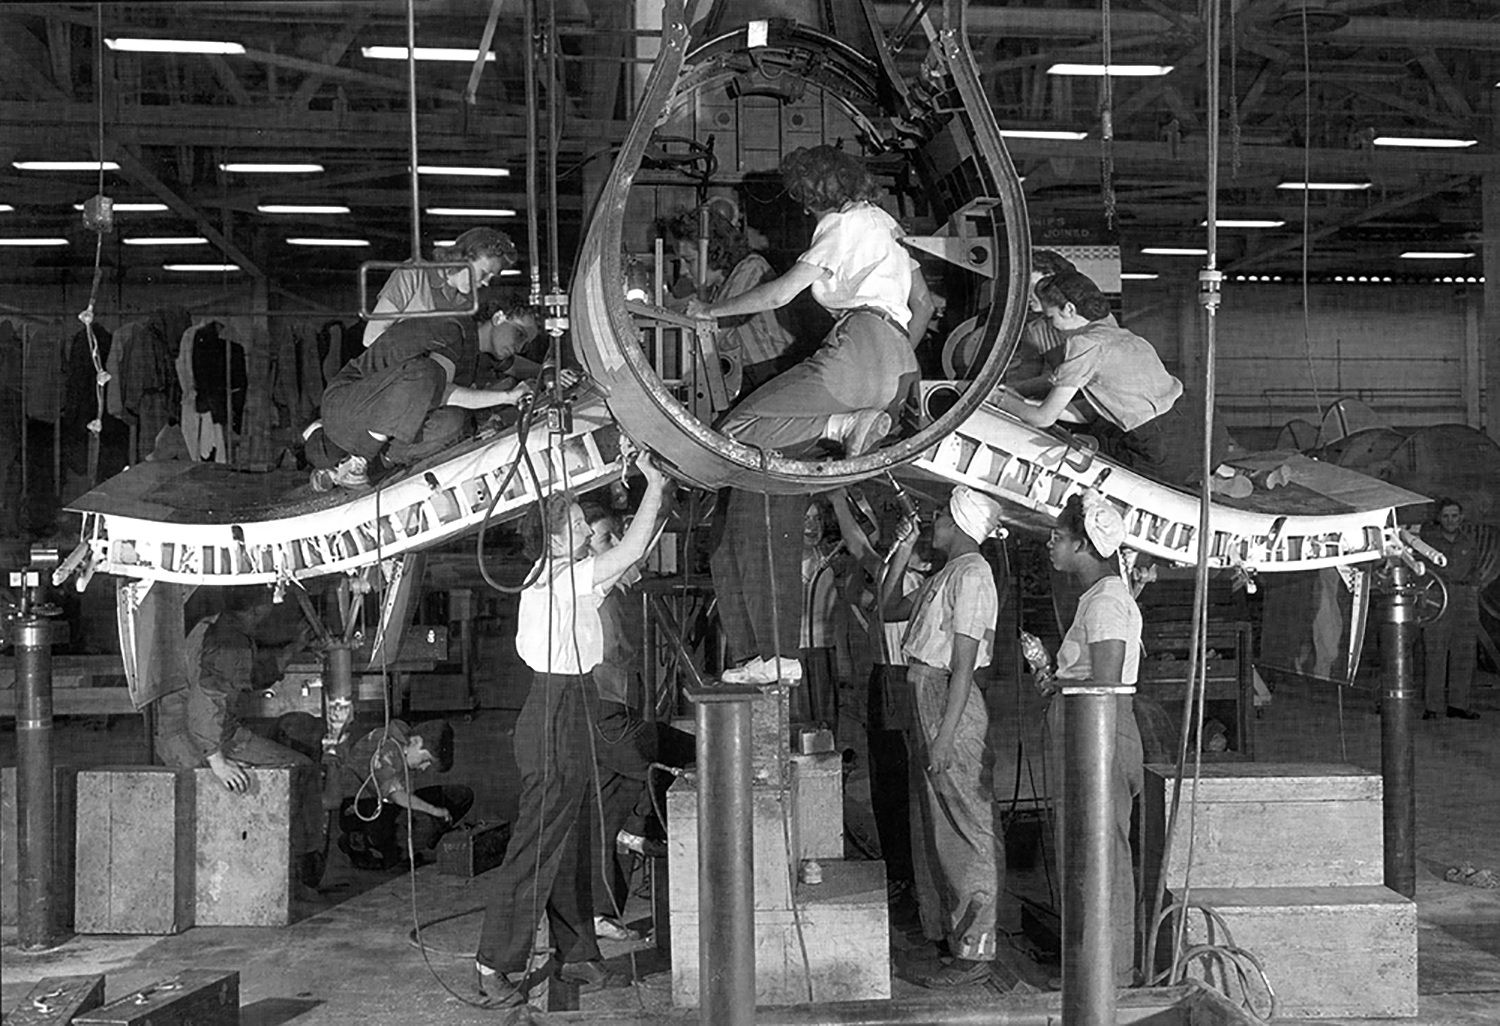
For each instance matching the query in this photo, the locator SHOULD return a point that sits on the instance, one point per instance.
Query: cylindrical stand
(1398, 706)
(726, 880)
(1088, 830)
(36, 809)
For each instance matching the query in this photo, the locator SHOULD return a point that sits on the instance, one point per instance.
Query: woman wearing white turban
(950, 634)
(1101, 646)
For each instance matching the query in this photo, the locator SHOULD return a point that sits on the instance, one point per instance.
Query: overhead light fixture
(201, 268)
(133, 208)
(166, 240)
(337, 243)
(1113, 70)
(301, 208)
(471, 212)
(6, 208)
(1325, 186)
(64, 165)
(1421, 142)
(271, 169)
(1245, 222)
(33, 242)
(1042, 133)
(425, 53)
(1174, 251)
(1138, 276)
(466, 172)
(174, 46)
(1435, 254)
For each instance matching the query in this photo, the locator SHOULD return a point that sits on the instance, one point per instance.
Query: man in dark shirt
(1451, 639)
(408, 396)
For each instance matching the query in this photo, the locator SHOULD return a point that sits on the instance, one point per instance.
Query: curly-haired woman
(416, 288)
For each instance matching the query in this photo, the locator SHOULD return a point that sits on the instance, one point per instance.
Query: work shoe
(495, 990)
(863, 430)
(606, 928)
(352, 472)
(591, 976)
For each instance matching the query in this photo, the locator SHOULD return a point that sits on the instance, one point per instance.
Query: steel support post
(726, 878)
(1398, 707)
(1089, 714)
(36, 806)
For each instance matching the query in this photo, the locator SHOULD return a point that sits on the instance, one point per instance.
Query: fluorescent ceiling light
(1245, 222)
(510, 272)
(166, 240)
(1326, 186)
(425, 53)
(1041, 133)
(345, 243)
(1418, 254)
(1114, 70)
(63, 165)
(6, 208)
(201, 268)
(271, 169)
(1173, 251)
(467, 172)
(300, 208)
(174, 46)
(33, 242)
(1138, 276)
(1418, 141)
(471, 212)
(133, 208)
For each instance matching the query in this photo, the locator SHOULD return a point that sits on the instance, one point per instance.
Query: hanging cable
(1312, 371)
(411, 110)
(1107, 120)
(101, 378)
(533, 244)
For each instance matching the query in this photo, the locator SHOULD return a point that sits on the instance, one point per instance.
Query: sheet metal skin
(605, 334)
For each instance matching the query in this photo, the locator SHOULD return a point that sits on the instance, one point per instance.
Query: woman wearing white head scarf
(1101, 646)
(951, 633)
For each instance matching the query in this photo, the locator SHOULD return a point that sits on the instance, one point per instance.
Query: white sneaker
(352, 472)
(863, 431)
(745, 673)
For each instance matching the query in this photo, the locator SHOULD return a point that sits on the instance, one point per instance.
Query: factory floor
(351, 959)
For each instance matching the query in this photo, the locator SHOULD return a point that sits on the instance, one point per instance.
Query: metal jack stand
(726, 887)
(1089, 714)
(1398, 706)
(34, 631)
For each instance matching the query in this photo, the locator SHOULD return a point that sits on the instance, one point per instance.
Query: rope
(96, 426)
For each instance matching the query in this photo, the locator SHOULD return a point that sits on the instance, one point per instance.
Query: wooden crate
(470, 850)
(134, 850)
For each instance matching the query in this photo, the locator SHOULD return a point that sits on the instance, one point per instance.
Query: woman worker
(1128, 399)
(844, 393)
(418, 288)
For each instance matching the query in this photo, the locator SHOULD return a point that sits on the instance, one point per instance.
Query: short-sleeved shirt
(414, 287)
(961, 598)
(1120, 373)
(1106, 612)
(559, 629)
(860, 247)
(381, 755)
(452, 341)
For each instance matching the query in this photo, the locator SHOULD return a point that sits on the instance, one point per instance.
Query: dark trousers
(890, 791)
(547, 864)
(759, 585)
(815, 702)
(1451, 642)
(374, 832)
(624, 748)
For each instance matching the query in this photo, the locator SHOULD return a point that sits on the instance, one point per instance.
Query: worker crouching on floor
(951, 633)
(548, 866)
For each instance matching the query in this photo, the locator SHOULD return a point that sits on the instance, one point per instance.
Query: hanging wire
(411, 108)
(533, 243)
(1107, 120)
(1234, 97)
(101, 378)
(1312, 371)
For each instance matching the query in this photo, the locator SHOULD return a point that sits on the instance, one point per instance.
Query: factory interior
(733, 511)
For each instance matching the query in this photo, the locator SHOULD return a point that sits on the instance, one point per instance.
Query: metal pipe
(1398, 705)
(338, 693)
(726, 879)
(1088, 968)
(36, 808)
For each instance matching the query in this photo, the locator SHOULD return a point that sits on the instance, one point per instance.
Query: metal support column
(1398, 707)
(1089, 713)
(36, 806)
(726, 879)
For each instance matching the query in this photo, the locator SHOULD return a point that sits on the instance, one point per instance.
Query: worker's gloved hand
(231, 774)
